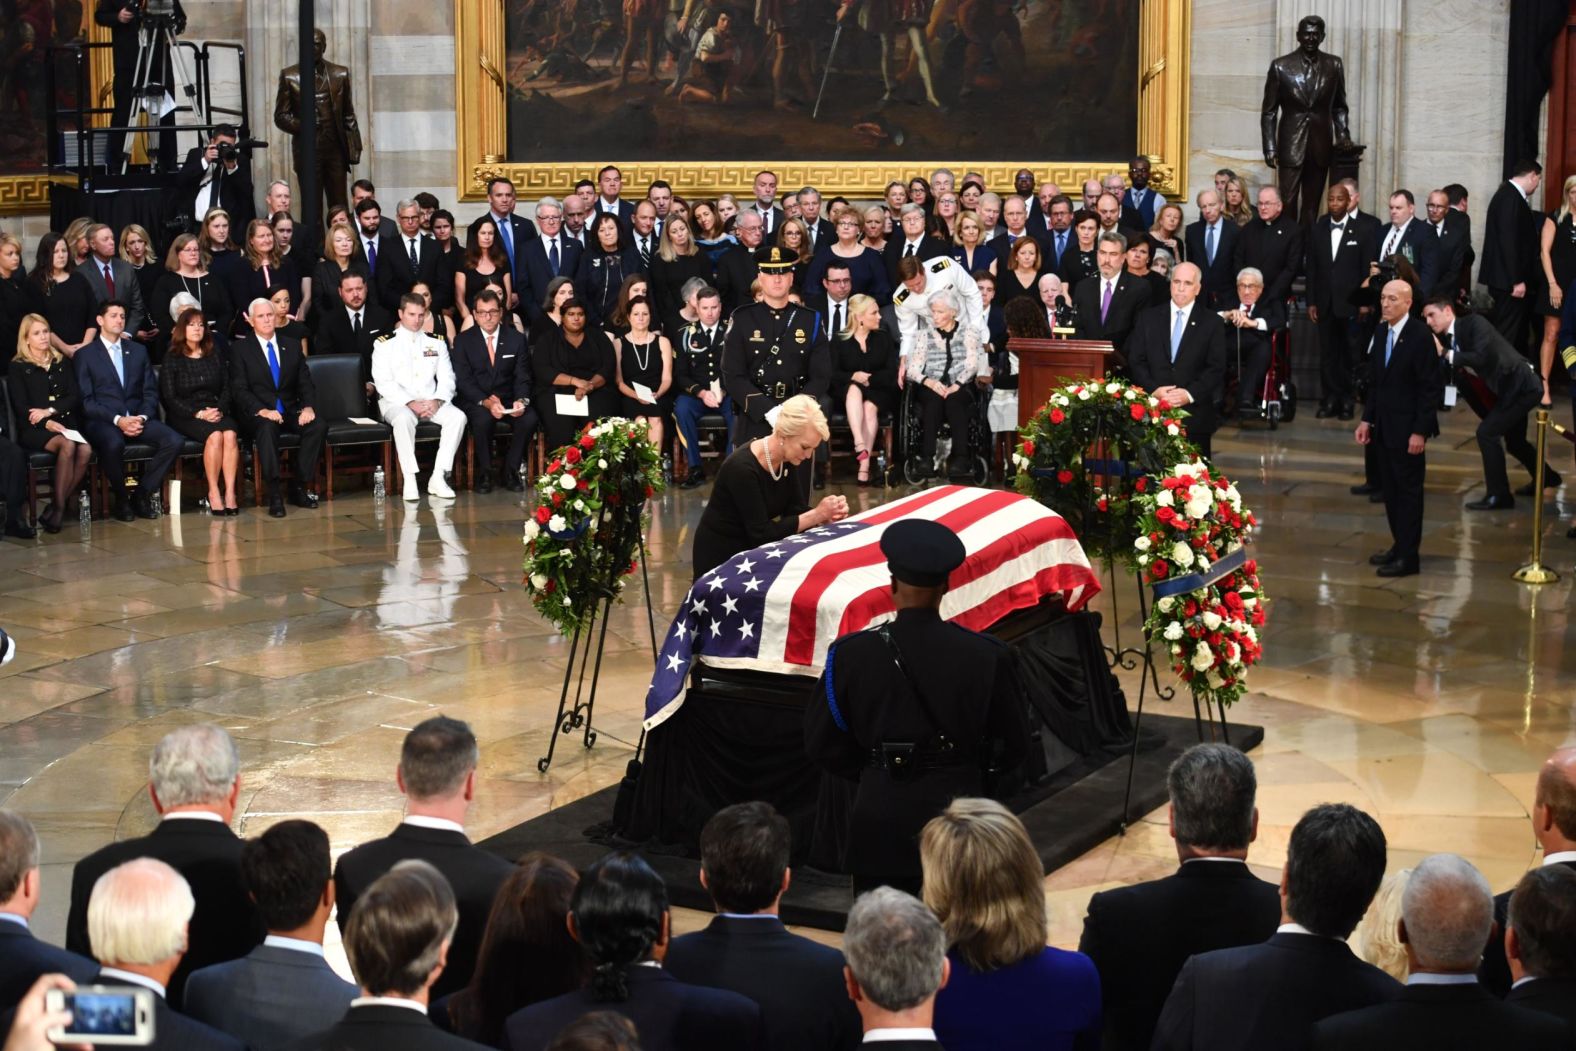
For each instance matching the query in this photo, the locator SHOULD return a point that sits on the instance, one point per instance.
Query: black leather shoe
(20, 530)
(1364, 490)
(142, 504)
(1347, 411)
(1397, 568)
(301, 498)
(511, 482)
(694, 480)
(1492, 503)
(1325, 412)
(120, 509)
(1376, 498)
(484, 485)
(1380, 558)
(50, 519)
(276, 507)
(1551, 480)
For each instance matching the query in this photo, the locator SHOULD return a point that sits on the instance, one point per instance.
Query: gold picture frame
(29, 194)
(481, 116)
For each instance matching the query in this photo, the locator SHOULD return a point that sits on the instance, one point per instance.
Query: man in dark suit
(1554, 827)
(1177, 352)
(765, 205)
(1337, 262)
(397, 942)
(1447, 915)
(896, 951)
(206, 182)
(273, 394)
(544, 258)
(120, 403)
(1143, 202)
(139, 914)
(1269, 995)
(1453, 229)
(1468, 341)
(1211, 245)
(354, 325)
(23, 957)
(1408, 237)
(1059, 236)
(610, 183)
(437, 774)
(1108, 306)
(1272, 245)
(1540, 942)
(283, 989)
(1140, 936)
(1014, 212)
(1039, 202)
(492, 381)
(822, 232)
(407, 259)
(910, 239)
(371, 236)
(736, 269)
(797, 982)
(1400, 415)
(1303, 118)
(1510, 266)
(124, 20)
(364, 190)
(516, 232)
(1251, 324)
(111, 277)
(194, 784)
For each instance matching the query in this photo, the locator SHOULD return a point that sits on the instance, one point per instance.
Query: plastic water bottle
(156, 501)
(378, 491)
(523, 480)
(667, 469)
(85, 514)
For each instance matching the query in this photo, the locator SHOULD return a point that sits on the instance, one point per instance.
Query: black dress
(217, 308)
(475, 281)
(553, 355)
(16, 300)
(1179, 253)
(325, 283)
(1562, 253)
(667, 282)
(70, 306)
(748, 507)
(147, 278)
(32, 387)
(643, 364)
(187, 385)
(879, 358)
(1077, 265)
(1008, 288)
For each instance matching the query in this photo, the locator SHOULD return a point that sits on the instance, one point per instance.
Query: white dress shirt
(1392, 243)
(389, 1001)
(135, 979)
(423, 821)
(917, 1033)
(279, 941)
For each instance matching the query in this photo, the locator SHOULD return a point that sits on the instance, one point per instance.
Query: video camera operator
(125, 20)
(218, 175)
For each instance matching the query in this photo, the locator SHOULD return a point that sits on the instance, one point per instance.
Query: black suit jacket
(1403, 397)
(1275, 250)
(383, 1027)
(1268, 995)
(736, 270)
(474, 873)
(1480, 347)
(536, 272)
(1420, 246)
(334, 334)
(396, 276)
(173, 1031)
(24, 959)
(1494, 972)
(476, 378)
(1455, 254)
(225, 925)
(1140, 936)
(1510, 241)
(1128, 299)
(1251, 340)
(1200, 367)
(1439, 1018)
(929, 248)
(235, 190)
(670, 1015)
(1002, 245)
(769, 224)
(1333, 279)
(1220, 277)
(798, 983)
(252, 381)
(825, 234)
(1551, 996)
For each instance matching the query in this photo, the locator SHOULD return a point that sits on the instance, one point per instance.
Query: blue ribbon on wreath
(1109, 468)
(574, 532)
(1214, 574)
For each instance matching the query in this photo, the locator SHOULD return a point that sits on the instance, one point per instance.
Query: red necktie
(109, 281)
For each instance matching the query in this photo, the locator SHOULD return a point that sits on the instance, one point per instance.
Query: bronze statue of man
(338, 137)
(1304, 117)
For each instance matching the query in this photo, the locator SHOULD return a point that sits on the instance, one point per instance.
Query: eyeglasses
(486, 312)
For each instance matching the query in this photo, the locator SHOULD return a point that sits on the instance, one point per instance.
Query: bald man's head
(1447, 914)
(1554, 807)
(1185, 281)
(1395, 299)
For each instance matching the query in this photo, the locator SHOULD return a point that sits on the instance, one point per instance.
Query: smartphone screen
(101, 1014)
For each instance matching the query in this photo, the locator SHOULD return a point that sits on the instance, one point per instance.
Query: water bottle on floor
(85, 514)
(378, 491)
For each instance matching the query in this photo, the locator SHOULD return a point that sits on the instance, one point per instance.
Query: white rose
(580, 505)
(601, 465)
(1164, 498)
(538, 581)
(1203, 659)
(1131, 394)
(1083, 395)
(567, 482)
(1183, 470)
(1167, 604)
(1143, 560)
(1112, 388)
(567, 602)
(1173, 631)
(1154, 403)
(1176, 649)
(1142, 543)
(1173, 430)
(1058, 399)
(1182, 554)
(556, 524)
(1199, 503)
(1211, 619)
(1214, 679)
(532, 530)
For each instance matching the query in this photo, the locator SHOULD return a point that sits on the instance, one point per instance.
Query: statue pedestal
(1344, 163)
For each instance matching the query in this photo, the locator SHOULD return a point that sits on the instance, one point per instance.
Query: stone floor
(318, 640)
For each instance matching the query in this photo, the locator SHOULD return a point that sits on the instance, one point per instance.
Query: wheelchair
(1277, 397)
(976, 443)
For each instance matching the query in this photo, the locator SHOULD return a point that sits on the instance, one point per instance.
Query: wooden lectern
(1044, 363)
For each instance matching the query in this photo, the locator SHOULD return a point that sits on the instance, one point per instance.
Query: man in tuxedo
(1453, 229)
(206, 182)
(23, 957)
(283, 989)
(1108, 306)
(1447, 915)
(492, 382)
(1540, 942)
(1404, 391)
(111, 277)
(1363, 221)
(736, 269)
(409, 259)
(194, 782)
(1338, 254)
(798, 983)
(697, 377)
(1211, 245)
(120, 404)
(643, 233)
(1251, 324)
(1140, 936)
(398, 943)
(897, 963)
(1177, 352)
(354, 325)
(911, 239)
(1269, 995)
(610, 183)
(822, 232)
(437, 775)
(765, 204)
(1144, 202)
(548, 256)
(1271, 244)
(1510, 267)
(516, 232)
(1410, 239)
(1554, 827)
(1469, 342)
(139, 915)
(273, 394)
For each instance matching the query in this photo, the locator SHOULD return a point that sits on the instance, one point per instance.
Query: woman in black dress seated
(195, 388)
(574, 360)
(185, 271)
(758, 497)
(47, 403)
(864, 363)
(646, 358)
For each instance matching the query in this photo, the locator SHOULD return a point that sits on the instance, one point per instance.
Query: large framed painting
(842, 96)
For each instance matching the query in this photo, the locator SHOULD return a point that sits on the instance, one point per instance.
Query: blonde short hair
(28, 321)
(985, 882)
(798, 413)
(138, 913)
(1377, 938)
(857, 305)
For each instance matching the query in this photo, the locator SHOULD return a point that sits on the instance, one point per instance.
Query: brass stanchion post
(1535, 572)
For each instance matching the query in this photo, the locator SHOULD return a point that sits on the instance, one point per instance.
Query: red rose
(1064, 476)
(1102, 504)
(1170, 483)
(558, 499)
(1190, 608)
(1028, 447)
(650, 492)
(1154, 414)
(555, 467)
(1137, 410)
(1154, 538)
(633, 566)
(1141, 484)
(587, 442)
(1057, 415)
(1250, 566)
(1159, 570)
(1165, 514)
(572, 455)
(584, 485)
(551, 586)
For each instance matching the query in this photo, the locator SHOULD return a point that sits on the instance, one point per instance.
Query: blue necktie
(1061, 246)
(1389, 344)
(552, 255)
(120, 368)
(507, 234)
(273, 367)
(372, 255)
(1209, 244)
(1176, 334)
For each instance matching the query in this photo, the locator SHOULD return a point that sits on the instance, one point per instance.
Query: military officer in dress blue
(697, 375)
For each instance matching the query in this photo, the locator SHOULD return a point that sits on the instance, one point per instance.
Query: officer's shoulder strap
(385, 336)
(938, 264)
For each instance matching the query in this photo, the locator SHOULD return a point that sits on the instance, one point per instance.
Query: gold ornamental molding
(481, 115)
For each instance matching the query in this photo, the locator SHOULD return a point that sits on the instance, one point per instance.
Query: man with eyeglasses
(492, 378)
(410, 258)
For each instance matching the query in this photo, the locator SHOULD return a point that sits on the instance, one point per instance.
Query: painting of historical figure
(27, 29)
(822, 80)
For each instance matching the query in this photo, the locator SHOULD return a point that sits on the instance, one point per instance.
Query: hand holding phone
(103, 1015)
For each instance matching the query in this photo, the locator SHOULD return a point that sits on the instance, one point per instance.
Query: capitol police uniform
(413, 366)
(697, 368)
(913, 308)
(916, 711)
(770, 355)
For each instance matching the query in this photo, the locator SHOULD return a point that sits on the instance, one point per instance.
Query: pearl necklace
(774, 471)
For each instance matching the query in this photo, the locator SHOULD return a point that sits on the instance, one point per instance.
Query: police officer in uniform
(774, 349)
(917, 711)
(697, 375)
(919, 280)
(415, 380)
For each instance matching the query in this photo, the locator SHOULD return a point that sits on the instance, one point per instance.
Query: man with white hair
(277, 199)
(546, 257)
(1447, 916)
(273, 395)
(138, 917)
(897, 963)
(23, 957)
(411, 257)
(194, 781)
